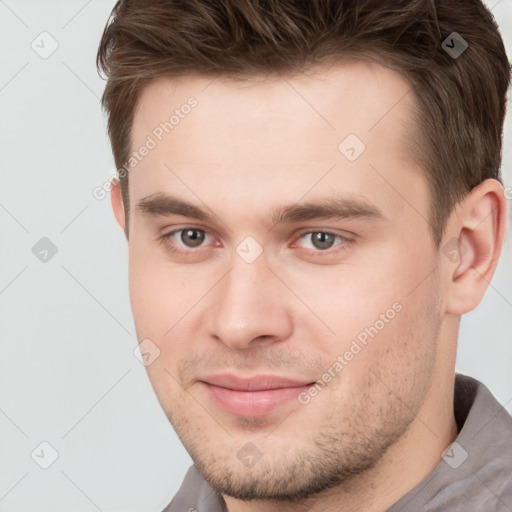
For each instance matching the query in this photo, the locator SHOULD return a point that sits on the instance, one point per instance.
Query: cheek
(159, 302)
(158, 294)
(392, 370)
(351, 298)
(380, 316)
(163, 299)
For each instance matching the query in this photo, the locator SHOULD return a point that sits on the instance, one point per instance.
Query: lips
(257, 383)
(252, 397)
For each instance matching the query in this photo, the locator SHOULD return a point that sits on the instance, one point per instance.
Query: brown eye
(192, 237)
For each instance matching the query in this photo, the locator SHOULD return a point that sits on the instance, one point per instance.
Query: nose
(249, 307)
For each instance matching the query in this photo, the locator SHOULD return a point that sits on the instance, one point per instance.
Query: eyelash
(343, 241)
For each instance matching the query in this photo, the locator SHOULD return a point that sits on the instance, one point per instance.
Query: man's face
(265, 293)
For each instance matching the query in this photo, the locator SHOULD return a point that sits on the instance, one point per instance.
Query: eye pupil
(192, 237)
(322, 240)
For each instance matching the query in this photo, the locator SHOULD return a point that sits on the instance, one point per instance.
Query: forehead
(355, 95)
(274, 134)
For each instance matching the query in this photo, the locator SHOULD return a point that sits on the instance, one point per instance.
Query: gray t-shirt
(475, 474)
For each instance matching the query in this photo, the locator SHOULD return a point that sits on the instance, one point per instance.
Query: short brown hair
(461, 99)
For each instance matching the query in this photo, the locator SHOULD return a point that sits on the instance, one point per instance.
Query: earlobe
(116, 199)
(479, 225)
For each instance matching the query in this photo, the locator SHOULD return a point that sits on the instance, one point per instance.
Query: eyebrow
(339, 207)
(328, 208)
(164, 205)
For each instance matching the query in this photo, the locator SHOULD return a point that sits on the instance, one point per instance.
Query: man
(312, 197)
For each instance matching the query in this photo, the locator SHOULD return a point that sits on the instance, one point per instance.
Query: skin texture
(245, 151)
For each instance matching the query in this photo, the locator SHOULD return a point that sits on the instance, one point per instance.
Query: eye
(321, 240)
(192, 237)
(186, 237)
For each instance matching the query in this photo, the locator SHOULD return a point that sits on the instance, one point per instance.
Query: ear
(116, 199)
(472, 245)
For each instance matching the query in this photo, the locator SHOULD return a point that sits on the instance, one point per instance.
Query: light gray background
(68, 375)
